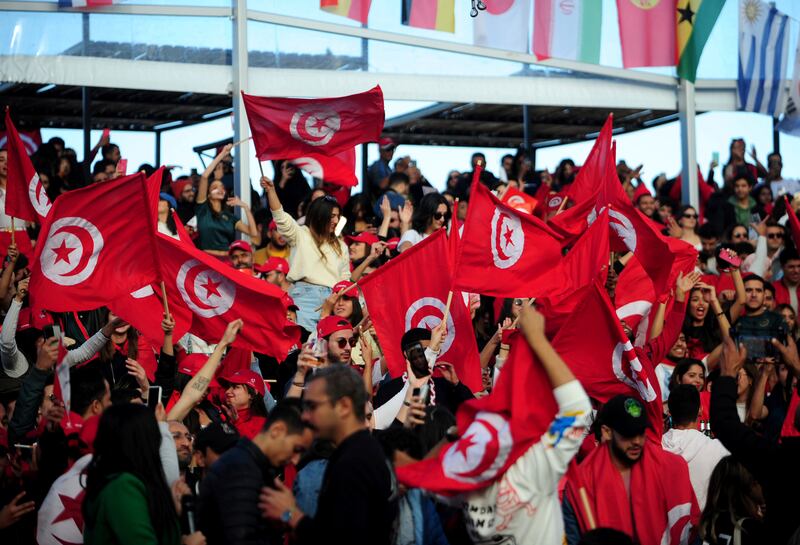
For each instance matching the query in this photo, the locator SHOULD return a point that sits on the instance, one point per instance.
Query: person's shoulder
(232, 460)
(123, 485)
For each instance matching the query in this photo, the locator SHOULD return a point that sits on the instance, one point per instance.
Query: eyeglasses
(739, 235)
(775, 235)
(519, 302)
(310, 405)
(438, 215)
(342, 342)
(690, 216)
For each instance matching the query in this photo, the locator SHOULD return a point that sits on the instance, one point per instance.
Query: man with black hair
(758, 321)
(379, 171)
(91, 394)
(357, 502)
(228, 510)
(700, 452)
(786, 290)
(420, 347)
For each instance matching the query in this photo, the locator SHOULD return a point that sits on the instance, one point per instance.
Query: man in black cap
(630, 483)
(213, 440)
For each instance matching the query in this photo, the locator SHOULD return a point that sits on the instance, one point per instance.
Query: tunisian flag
(411, 291)
(25, 195)
(522, 202)
(144, 308)
(339, 169)
(90, 254)
(794, 223)
(216, 294)
(648, 31)
(505, 253)
(295, 127)
(494, 430)
(596, 349)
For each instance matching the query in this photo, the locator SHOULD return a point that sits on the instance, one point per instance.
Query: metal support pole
(86, 98)
(527, 144)
(158, 149)
(686, 111)
(365, 188)
(776, 137)
(241, 168)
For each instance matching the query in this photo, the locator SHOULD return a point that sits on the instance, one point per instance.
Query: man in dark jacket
(357, 503)
(228, 508)
(771, 464)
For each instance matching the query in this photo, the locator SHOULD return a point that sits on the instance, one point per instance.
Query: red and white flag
(25, 196)
(88, 253)
(567, 30)
(505, 253)
(60, 518)
(648, 32)
(605, 361)
(494, 430)
(217, 294)
(295, 127)
(144, 308)
(794, 223)
(503, 24)
(400, 296)
(339, 169)
(519, 201)
(62, 390)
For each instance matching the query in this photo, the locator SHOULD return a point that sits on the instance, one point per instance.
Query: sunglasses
(774, 235)
(740, 235)
(519, 302)
(690, 216)
(342, 342)
(438, 215)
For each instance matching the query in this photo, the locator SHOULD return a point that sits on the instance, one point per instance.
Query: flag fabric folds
(339, 169)
(647, 32)
(519, 201)
(285, 128)
(88, 254)
(763, 52)
(403, 294)
(790, 123)
(503, 25)
(494, 430)
(25, 196)
(567, 30)
(431, 14)
(695, 23)
(358, 10)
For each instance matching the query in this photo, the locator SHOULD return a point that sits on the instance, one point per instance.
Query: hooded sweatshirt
(700, 452)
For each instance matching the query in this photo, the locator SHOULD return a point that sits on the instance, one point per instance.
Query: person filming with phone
(333, 345)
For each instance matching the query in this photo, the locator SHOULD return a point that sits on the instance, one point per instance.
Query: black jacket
(773, 466)
(228, 502)
(357, 502)
(447, 394)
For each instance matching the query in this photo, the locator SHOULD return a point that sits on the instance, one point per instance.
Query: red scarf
(661, 500)
(248, 425)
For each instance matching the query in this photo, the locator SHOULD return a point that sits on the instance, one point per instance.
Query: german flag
(431, 14)
(352, 9)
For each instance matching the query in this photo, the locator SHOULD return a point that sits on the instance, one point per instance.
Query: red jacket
(782, 293)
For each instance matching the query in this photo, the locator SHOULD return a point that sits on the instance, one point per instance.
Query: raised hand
(22, 288)
(13, 253)
(167, 325)
(448, 371)
(137, 371)
(236, 201)
(14, 510)
(438, 335)
(406, 211)
(733, 357)
(230, 332)
(267, 184)
(386, 207)
(531, 322)
(760, 227)
(684, 284)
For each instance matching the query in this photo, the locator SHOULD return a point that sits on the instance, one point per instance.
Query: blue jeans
(308, 297)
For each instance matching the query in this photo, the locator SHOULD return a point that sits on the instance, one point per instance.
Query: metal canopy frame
(652, 91)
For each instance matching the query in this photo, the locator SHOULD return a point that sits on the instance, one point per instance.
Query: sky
(657, 148)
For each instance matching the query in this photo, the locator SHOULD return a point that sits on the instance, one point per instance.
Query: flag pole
(13, 228)
(242, 141)
(561, 206)
(164, 299)
(587, 508)
(447, 307)
(338, 295)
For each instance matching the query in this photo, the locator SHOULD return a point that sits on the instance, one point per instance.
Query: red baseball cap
(240, 245)
(365, 237)
(386, 143)
(331, 324)
(344, 285)
(273, 264)
(247, 377)
(392, 243)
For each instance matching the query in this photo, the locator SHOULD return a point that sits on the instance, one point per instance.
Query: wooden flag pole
(338, 295)
(13, 229)
(587, 508)
(561, 207)
(447, 307)
(242, 141)
(164, 299)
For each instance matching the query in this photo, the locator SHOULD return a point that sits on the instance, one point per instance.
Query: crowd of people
(159, 447)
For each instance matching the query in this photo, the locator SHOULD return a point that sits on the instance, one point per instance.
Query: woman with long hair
(704, 333)
(244, 399)
(216, 223)
(750, 385)
(734, 508)
(790, 317)
(319, 257)
(430, 215)
(127, 497)
(688, 220)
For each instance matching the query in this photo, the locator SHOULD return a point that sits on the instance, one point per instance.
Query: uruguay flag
(763, 50)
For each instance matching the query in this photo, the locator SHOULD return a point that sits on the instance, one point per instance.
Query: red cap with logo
(331, 324)
(352, 293)
(242, 245)
(365, 237)
(386, 143)
(273, 264)
(247, 377)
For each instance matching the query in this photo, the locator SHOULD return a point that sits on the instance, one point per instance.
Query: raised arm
(196, 388)
(532, 325)
(660, 346)
(249, 227)
(8, 271)
(386, 213)
(741, 296)
(658, 321)
(287, 227)
(202, 187)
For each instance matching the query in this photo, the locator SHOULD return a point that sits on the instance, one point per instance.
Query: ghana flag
(695, 21)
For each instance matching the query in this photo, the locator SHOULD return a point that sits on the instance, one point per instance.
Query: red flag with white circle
(339, 169)
(411, 291)
(25, 196)
(284, 128)
(88, 254)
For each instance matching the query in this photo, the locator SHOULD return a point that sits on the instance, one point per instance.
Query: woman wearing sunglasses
(318, 257)
(687, 219)
(431, 214)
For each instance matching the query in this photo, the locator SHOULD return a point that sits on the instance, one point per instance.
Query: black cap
(218, 436)
(414, 336)
(625, 415)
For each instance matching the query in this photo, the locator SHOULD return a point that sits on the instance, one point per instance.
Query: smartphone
(415, 392)
(715, 157)
(758, 347)
(106, 133)
(751, 233)
(416, 357)
(423, 393)
(122, 167)
(726, 262)
(153, 397)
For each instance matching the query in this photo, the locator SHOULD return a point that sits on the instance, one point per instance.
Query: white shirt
(701, 454)
(523, 505)
(411, 236)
